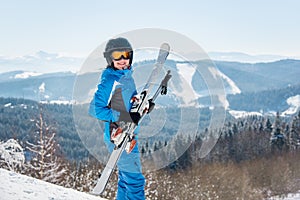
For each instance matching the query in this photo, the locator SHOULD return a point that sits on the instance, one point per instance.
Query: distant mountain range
(44, 62)
(41, 62)
(269, 84)
(244, 58)
(28, 85)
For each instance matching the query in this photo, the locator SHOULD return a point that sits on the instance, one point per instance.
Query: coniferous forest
(256, 157)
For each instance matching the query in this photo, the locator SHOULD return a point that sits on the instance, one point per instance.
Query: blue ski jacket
(115, 90)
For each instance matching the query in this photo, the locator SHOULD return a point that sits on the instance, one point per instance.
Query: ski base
(108, 170)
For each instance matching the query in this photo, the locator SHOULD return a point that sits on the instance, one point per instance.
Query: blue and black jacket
(113, 95)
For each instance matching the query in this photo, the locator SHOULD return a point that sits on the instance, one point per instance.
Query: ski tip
(165, 47)
(94, 193)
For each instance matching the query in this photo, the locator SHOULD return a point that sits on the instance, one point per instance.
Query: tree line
(242, 142)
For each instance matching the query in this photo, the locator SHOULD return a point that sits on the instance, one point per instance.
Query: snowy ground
(15, 186)
(289, 197)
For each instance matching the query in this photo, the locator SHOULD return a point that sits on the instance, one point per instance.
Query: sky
(76, 28)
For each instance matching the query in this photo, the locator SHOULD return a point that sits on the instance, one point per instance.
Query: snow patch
(25, 75)
(294, 103)
(64, 102)
(188, 94)
(187, 71)
(234, 88)
(42, 88)
(290, 196)
(7, 105)
(241, 114)
(17, 186)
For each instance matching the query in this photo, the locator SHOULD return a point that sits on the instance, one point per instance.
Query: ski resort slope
(15, 186)
(20, 187)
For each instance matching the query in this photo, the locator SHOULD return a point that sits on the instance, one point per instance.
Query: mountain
(262, 76)
(270, 84)
(17, 186)
(41, 62)
(243, 57)
(28, 85)
(45, 62)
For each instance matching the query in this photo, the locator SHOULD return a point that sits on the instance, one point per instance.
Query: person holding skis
(111, 103)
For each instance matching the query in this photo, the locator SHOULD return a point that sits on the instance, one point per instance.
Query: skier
(111, 104)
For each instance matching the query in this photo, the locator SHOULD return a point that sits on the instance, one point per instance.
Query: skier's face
(121, 64)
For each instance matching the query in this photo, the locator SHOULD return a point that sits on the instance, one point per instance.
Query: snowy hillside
(16, 186)
(289, 197)
(20, 187)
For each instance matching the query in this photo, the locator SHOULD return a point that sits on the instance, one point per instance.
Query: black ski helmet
(118, 44)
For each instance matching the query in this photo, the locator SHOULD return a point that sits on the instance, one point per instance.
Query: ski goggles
(118, 55)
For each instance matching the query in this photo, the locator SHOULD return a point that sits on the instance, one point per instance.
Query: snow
(215, 73)
(42, 88)
(186, 72)
(294, 103)
(234, 88)
(11, 153)
(65, 102)
(288, 197)
(17, 186)
(7, 105)
(62, 102)
(25, 75)
(241, 114)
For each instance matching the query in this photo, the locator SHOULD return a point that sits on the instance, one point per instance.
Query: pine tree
(295, 133)
(269, 125)
(45, 163)
(277, 137)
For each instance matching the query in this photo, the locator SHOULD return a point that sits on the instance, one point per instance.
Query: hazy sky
(77, 27)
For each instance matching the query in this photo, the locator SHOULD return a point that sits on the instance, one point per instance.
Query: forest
(255, 157)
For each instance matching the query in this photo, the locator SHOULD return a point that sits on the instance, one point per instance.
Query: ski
(141, 107)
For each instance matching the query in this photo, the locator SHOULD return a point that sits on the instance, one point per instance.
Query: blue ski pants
(131, 181)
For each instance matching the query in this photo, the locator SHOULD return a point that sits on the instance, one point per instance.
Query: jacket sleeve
(99, 107)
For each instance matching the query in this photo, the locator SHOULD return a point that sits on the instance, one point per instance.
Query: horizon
(56, 62)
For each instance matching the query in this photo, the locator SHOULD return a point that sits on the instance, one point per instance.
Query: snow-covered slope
(20, 187)
(288, 197)
(294, 103)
